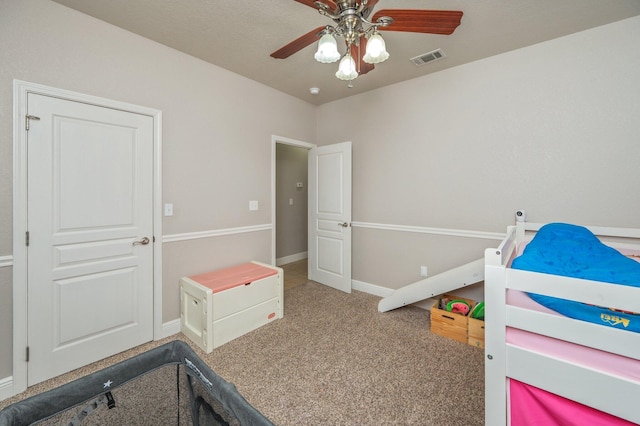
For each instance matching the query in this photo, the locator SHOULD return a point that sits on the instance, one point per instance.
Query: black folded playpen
(168, 385)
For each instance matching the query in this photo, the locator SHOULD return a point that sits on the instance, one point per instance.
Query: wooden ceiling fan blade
(297, 44)
(421, 21)
(365, 67)
(358, 53)
(312, 3)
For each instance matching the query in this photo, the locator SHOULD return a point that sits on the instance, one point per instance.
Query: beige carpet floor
(334, 359)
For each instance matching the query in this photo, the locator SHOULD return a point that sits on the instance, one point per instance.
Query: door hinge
(154, 238)
(27, 118)
(26, 238)
(27, 358)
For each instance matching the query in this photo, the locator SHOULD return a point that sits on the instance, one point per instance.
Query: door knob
(344, 224)
(143, 242)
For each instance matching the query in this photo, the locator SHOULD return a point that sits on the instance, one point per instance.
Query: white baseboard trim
(6, 388)
(291, 258)
(170, 328)
(376, 290)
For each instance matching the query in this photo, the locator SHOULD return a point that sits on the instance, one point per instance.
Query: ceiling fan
(360, 33)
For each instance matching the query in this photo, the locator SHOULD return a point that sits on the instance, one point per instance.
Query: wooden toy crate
(476, 333)
(452, 325)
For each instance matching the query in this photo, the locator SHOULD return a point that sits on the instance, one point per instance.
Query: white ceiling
(239, 35)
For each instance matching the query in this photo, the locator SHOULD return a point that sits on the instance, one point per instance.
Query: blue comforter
(573, 251)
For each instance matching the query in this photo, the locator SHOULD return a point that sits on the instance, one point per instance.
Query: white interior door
(329, 260)
(90, 224)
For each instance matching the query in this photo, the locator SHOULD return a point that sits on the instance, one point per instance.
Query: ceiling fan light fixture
(327, 49)
(376, 50)
(347, 68)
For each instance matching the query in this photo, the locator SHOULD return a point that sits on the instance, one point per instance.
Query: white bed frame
(612, 394)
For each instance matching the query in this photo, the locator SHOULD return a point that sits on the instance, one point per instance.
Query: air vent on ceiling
(428, 57)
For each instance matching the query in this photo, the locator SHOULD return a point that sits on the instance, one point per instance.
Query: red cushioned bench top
(224, 279)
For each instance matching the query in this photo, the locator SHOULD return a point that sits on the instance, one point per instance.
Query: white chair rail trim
(382, 226)
(6, 261)
(435, 231)
(172, 238)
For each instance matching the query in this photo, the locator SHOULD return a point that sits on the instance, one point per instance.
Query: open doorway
(289, 214)
(328, 193)
(291, 196)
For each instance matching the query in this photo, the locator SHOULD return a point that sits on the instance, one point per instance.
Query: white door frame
(20, 317)
(274, 141)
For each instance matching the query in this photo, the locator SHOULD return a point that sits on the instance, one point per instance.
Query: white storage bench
(216, 307)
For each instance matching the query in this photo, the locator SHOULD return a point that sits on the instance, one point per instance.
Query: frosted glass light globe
(376, 50)
(327, 50)
(347, 68)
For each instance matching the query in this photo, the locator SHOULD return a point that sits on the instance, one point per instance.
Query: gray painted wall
(217, 129)
(551, 129)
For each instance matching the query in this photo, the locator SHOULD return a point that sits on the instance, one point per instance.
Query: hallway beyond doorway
(295, 273)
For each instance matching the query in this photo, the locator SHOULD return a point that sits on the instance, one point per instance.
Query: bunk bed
(552, 368)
